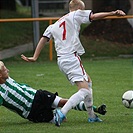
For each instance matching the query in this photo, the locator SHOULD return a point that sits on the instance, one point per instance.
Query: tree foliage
(113, 30)
(8, 5)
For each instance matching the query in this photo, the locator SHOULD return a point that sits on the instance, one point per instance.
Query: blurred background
(102, 38)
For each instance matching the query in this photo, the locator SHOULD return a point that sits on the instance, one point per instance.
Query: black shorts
(41, 110)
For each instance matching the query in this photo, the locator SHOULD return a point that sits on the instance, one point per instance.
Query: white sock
(74, 100)
(89, 103)
(81, 106)
(56, 102)
(90, 84)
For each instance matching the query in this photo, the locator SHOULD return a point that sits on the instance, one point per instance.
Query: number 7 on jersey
(63, 24)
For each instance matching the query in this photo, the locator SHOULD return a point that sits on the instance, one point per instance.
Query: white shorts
(72, 67)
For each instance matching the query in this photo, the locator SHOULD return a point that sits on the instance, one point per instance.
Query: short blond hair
(1, 64)
(76, 4)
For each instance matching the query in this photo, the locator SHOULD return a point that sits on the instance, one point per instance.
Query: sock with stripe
(74, 100)
(81, 107)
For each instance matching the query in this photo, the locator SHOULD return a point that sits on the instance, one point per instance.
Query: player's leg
(75, 74)
(82, 94)
(60, 115)
(60, 102)
(72, 102)
(101, 109)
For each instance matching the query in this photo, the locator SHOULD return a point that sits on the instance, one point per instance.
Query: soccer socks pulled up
(89, 103)
(74, 100)
(81, 107)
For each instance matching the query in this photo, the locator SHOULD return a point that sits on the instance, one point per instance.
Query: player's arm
(38, 50)
(101, 15)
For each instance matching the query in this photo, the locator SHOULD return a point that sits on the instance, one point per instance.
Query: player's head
(76, 4)
(3, 73)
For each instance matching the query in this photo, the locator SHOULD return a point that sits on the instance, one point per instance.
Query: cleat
(59, 117)
(102, 109)
(94, 119)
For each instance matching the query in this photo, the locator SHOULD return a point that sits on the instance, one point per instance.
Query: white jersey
(65, 32)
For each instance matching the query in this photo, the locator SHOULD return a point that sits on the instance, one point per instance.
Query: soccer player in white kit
(65, 32)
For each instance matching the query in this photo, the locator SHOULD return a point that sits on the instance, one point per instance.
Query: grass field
(111, 78)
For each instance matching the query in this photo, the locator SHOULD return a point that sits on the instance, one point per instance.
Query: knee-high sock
(89, 104)
(90, 84)
(74, 100)
(81, 107)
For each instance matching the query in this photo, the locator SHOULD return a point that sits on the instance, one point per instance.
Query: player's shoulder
(49, 28)
(63, 17)
(83, 11)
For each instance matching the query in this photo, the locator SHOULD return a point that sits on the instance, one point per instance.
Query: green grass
(111, 78)
(104, 48)
(17, 33)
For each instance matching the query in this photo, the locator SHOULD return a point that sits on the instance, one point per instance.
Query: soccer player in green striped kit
(34, 105)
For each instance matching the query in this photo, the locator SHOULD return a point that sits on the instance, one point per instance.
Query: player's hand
(28, 59)
(119, 13)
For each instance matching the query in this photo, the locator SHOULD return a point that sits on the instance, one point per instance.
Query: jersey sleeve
(83, 16)
(1, 100)
(47, 32)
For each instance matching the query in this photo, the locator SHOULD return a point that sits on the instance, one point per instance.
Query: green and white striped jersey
(17, 97)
